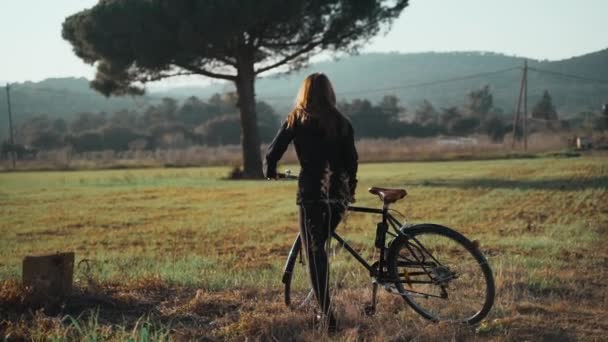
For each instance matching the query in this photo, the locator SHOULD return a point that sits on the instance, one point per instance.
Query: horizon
(159, 86)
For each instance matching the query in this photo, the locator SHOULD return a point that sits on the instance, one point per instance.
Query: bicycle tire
(435, 238)
(296, 300)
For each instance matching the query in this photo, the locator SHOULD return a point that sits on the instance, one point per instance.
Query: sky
(32, 47)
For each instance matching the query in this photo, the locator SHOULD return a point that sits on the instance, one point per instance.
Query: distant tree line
(478, 115)
(215, 122)
(165, 125)
(388, 119)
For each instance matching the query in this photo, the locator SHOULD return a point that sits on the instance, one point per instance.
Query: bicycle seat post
(387, 196)
(381, 229)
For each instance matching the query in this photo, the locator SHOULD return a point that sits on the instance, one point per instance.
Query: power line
(70, 92)
(432, 83)
(353, 92)
(361, 91)
(571, 76)
(409, 86)
(56, 91)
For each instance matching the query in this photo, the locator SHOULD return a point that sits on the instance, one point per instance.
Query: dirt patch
(533, 309)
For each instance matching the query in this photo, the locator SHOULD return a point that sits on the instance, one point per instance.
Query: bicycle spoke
(307, 300)
(440, 277)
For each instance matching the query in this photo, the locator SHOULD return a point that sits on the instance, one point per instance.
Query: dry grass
(182, 254)
(370, 150)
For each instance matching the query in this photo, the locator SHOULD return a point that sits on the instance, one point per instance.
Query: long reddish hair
(316, 100)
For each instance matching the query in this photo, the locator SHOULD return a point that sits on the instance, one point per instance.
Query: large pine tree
(132, 42)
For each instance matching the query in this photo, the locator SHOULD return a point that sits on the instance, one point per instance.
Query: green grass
(175, 221)
(540, 221)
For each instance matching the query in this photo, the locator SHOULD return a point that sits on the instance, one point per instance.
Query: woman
(325, 146)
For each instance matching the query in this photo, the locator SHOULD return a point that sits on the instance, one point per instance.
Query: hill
(410, 77)
(374, 75)
(59, 98)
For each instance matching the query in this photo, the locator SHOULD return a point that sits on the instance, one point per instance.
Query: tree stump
(49, 276)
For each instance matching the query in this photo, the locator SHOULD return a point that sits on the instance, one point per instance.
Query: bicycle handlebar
(284, 176)
(287, 176)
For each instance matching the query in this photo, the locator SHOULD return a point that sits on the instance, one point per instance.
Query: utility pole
(523, 98)
(526, 105)
(10, 123)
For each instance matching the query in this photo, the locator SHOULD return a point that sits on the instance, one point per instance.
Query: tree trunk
(250, 138)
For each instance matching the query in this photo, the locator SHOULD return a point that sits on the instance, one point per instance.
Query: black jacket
(328, 164)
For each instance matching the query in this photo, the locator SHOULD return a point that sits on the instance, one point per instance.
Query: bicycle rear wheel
(441, 274)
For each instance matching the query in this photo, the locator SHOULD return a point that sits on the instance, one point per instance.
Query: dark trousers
(317, 221)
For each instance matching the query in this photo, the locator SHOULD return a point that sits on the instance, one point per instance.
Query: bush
(86, 142)
(223, 130)
(118, 138)
(495, 128)
(464, 126)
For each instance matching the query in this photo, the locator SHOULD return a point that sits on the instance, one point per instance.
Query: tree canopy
(481, 101)
(544, 108)
(142, 40)
(132, 42)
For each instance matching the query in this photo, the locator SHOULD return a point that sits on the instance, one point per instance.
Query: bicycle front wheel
(441, 274)
(297, 293)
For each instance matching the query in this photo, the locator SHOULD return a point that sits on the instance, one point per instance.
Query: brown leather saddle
(388, 195)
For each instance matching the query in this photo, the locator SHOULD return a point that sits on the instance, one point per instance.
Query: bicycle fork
(291, 259)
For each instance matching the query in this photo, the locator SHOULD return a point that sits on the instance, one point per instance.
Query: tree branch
(162, 76)
(290, 57)
(311, 46)
(281, 45)
(205, 72)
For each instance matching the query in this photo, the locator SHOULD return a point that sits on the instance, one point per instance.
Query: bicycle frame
(376, 269)
(381, 232)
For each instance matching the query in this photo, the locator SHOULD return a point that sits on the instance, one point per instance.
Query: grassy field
(182, 253)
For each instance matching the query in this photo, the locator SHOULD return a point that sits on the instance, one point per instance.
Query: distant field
(410, 149)
(196, 256)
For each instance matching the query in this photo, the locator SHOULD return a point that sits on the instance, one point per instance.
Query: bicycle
(425, 264)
